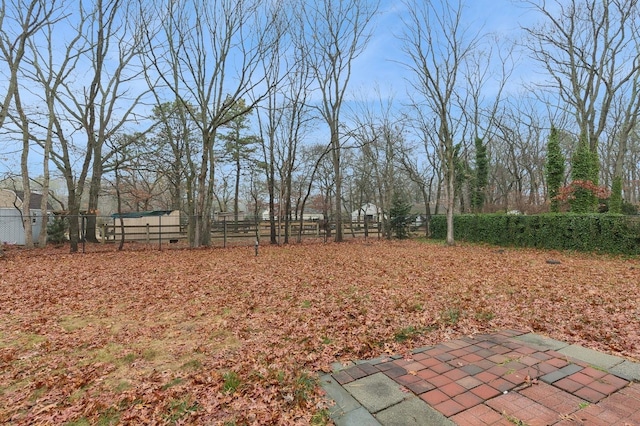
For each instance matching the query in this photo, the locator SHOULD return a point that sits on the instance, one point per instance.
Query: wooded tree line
(230, 105)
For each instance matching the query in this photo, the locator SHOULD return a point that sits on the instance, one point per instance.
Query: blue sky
(378, 65)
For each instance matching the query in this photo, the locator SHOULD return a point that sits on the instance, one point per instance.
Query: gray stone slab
(412, 411)
(592, 357)
(565, 371)
(422, 349)
(378, 360)
(376, 392)
(344, 402)
(627, 370)
(542, 341)
(339, 366)
(359, 417)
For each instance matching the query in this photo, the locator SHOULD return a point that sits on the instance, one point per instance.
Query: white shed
(369, 211)
(11, 226)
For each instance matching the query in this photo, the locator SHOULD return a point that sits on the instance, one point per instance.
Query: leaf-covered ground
(220, 336)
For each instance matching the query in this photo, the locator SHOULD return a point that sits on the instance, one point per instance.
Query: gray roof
(34, 200)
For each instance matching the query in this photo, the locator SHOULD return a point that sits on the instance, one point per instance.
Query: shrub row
(606, 233)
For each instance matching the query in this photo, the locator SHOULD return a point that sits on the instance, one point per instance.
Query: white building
(307, 216)
(11, 226)
(368, 211)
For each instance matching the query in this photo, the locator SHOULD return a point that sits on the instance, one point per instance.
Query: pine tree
(400, 215)
(56, 229)
(555, 168)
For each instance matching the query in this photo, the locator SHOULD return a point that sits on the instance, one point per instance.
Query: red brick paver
(480, 415)
(497, 380)
(517, 407)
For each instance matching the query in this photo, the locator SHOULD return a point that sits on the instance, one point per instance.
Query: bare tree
(110, 101)
(174, 153)
(437, 45)
(517, 149)
(338, 33)
(379, 135)
(419, 162)
(269, 121)
(20, 21)
(284, 119)
(105, 36)
(589, 48)
(208, 55)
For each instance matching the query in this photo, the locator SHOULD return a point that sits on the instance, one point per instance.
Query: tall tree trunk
(42, 238)
(94, 194)
(335, 143)
(24, 167)
(451, 196)
(236, 193)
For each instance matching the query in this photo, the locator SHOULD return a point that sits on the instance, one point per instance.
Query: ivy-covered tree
(463, 176)
(615, 201)
(481, 177)
(584, 172)
(400, 213)
(555, 168)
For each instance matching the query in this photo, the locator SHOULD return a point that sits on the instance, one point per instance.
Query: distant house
(308, 215)
(369, 212)
(11, 226)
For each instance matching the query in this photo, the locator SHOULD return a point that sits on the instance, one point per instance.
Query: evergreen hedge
(606, 233)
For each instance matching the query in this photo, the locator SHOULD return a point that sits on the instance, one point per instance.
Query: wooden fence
(226, 231)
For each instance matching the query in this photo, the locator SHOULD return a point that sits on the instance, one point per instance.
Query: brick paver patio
(504, 378)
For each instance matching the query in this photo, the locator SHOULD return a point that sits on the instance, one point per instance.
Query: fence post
(160, 232)
(83, 232)
(224, 231)
(148, 237)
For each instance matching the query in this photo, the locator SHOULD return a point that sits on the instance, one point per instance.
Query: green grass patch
(451, 316)
(150, 354)
(38, 393)
(73, 323)
(516, 421)
(484, 316)
(122, 386)
(321, 418)
(127, 359)
(82, 421)
(172, 383)
(194, 364)
(305, 386)
(110, 353)
(180, 408)
(22, 341)
(410, 332)
(109, 418)
(231, 382)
